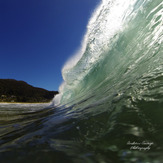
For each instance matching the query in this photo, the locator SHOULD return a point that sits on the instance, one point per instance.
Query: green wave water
(111, 101)
(122, 44)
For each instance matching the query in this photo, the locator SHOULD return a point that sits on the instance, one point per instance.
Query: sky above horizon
(38, 36)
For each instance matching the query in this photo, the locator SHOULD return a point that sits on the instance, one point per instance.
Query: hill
(12, 90)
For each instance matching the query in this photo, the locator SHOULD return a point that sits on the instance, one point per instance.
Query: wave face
(122, 47)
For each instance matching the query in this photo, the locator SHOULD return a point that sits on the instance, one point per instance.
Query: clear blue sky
(38, 36)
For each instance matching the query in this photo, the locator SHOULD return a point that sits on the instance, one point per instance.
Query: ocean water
(110, 105)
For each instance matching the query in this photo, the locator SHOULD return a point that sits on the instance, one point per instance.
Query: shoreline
(25, 102)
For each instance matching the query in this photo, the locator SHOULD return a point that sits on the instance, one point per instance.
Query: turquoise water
(110, 105)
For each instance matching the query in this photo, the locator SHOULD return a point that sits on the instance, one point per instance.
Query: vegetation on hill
(19, 91)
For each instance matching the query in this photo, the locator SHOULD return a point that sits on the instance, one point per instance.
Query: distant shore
(14, 91)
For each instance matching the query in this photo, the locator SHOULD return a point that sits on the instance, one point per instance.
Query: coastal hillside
(19, 91)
